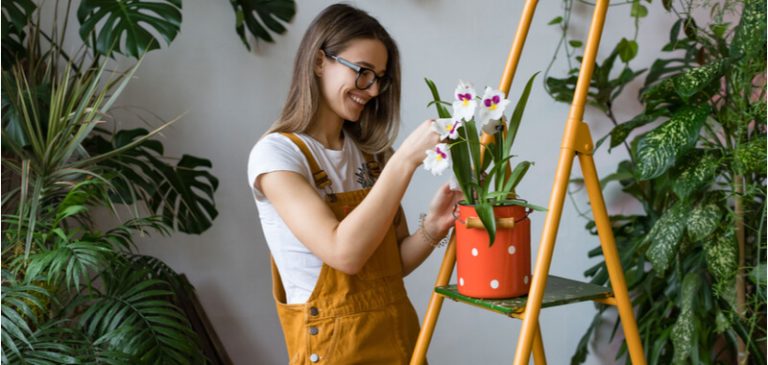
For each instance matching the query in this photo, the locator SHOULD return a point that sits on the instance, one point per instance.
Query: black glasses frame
(384, 81)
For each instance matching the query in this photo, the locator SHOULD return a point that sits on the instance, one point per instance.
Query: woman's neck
(326, 128)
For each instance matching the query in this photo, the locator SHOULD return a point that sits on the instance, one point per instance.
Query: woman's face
(337, 81)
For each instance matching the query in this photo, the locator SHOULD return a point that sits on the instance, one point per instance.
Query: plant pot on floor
(500, 270)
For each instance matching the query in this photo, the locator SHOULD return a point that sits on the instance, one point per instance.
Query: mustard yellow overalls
(365, 318)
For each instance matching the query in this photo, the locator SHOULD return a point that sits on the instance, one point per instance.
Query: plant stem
(738, 187)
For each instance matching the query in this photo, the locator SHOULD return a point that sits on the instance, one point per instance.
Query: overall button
(313, 331)
(313, 311)
(314, 358)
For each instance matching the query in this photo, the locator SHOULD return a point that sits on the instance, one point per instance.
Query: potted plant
(695, 252)
(492, 228)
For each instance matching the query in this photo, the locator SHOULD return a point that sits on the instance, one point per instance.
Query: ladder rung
(559, 291)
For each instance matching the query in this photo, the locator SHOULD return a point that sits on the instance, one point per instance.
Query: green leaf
(696, 173)
(683, 331)
(183, 194)
(659, 149)
(575, 43)
(751, 156)
(750, 36)
(696, 79)
(722, 255)
(661, 92)
(130, 21)
(664, 238)
(517, 116)
(486, 215)
(703, 221)
(261, 17)
(620, 133)
(555, 20)
(627, 50)
(638, 10)
(16, 14)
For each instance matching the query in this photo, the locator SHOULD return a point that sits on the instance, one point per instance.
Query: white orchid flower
(438, 159)
(491, 110)
(447, 127)
(465, 103)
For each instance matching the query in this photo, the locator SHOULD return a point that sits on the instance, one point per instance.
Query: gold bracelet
(434, 242)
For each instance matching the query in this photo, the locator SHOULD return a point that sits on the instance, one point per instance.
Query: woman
(340, 246)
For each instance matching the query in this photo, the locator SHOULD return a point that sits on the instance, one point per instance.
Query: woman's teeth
(357, 100)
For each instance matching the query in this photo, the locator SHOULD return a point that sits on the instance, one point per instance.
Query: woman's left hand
(440, 217)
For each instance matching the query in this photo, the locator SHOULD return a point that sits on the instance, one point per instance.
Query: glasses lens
(365, 79)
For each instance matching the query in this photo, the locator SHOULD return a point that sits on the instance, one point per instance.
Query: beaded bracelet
(434, 242)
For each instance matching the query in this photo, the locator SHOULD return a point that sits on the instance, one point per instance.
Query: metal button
(313, 331)
(313, 311)
(314, 358)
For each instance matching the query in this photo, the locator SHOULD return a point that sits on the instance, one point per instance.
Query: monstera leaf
(127, 26)
(181, 194)
(262, 16)
(16, 14)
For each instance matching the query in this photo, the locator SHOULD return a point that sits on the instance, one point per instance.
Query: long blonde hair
(331, 31)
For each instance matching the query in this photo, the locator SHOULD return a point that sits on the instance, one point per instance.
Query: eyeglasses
(365, 76)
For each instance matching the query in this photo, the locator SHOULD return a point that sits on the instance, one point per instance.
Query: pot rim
(504, 203)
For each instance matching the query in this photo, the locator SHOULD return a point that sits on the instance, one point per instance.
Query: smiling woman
(328, 188)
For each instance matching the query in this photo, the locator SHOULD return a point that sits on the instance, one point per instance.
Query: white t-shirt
(299, 268)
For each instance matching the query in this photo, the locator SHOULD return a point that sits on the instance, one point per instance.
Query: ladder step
(559, 291)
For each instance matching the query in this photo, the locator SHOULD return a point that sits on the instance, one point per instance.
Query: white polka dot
(461, 281)
(525, 279)
(494, 283)
(511, 249)
(474, 252)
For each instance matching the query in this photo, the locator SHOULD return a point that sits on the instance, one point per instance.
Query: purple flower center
(440, 152)
(494, 100)
(463, 97)
(455, 125)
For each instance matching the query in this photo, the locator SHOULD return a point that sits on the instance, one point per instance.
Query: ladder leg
(435, 304)
(539, 358)
(612, 260)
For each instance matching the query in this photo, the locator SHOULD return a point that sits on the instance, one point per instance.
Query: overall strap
(374, 168)
(318, 174)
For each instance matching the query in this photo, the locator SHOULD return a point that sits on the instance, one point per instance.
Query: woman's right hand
(413, 148)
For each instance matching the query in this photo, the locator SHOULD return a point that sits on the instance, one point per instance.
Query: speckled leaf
(703, 221)
(750, 157)
(697, 172)
(721, 254)
(694, 80)
(750, 38)
(683, 336)
(664, 237)
(658, 149)
(683, 331)
(620, 133)
(663, 91)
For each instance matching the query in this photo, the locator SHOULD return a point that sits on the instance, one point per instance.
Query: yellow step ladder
(545, 290)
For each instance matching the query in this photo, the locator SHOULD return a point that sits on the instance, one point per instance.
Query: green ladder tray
(559, 291)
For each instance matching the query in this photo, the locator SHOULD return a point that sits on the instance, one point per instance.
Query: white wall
(230, 97)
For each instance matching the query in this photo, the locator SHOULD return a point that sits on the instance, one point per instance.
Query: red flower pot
(502, 270)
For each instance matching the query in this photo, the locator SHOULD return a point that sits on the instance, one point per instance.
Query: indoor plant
(74, 291)
(492, 212)
(695, 254)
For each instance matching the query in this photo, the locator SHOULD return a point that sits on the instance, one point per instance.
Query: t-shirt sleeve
(274, 152)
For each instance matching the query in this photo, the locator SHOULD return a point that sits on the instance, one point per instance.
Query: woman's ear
(319, 58)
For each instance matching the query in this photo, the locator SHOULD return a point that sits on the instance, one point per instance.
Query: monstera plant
(695, 257)
(74, 288)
